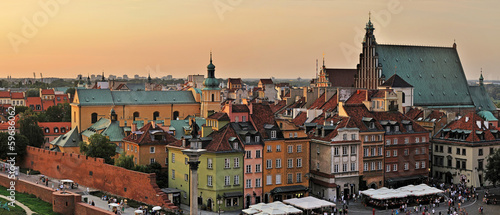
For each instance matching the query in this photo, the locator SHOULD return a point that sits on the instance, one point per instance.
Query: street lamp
(219, 201)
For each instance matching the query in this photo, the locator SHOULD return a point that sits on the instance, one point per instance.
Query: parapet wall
(93, 172)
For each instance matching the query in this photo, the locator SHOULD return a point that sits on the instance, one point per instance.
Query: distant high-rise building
(125, 77)
(136, 76)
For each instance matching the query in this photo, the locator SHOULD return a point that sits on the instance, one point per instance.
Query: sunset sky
(249, 38)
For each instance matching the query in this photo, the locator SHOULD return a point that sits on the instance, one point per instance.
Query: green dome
(211, 66)
(211, 83)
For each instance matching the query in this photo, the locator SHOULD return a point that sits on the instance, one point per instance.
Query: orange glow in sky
(249, 38)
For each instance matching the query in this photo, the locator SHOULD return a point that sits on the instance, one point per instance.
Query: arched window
(94, 117)
(136, 115)
(63, 130)
(156, 114)
(56, 130)
(403, 94)
(176, 115)
(213, 97)
(47, 130)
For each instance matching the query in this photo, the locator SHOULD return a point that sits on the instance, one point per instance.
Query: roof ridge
(423, 46)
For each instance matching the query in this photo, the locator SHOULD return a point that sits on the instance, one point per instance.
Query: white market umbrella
(138, 212)
(250, 211)
(291, 210)
(261, 206)
(273, 211)
(156, 208)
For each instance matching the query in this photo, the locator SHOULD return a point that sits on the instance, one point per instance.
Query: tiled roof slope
(262, 115)
(398, 117)
(356, 113)
(144, 136)
(341, 77)
(415, 113)
(395, 81)
(93, 97)
(468, 124)
(436, 73)
(481, 99)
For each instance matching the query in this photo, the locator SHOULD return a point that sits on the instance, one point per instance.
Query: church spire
(481, 79)
(149, 78)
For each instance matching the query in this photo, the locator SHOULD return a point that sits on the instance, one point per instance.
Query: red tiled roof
(262, 115)
(318, 102)
(282, 84)
(275, 107)
(398, 117)
(330, 104)
(379, 94)
(234, 80)
(33, 100)
(146, 139)
(357, 98)
(47, 92)
(4, 94)
(468, 122)
(266, 81)
(356, 112)
(298, 104)
(4, 126)
(17, 95)
(415, 113)
(435, 114)
(300, 119)
(237, 108)
(219, 116)
(220, 139)
(341, 77)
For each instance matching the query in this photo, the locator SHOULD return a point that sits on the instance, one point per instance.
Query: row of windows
(38, 107)
(290, 148)
(406, 166)
(269, 179)
(344, 150)
(56, 130)
(459, 151)
(374, 166)
(353, 137)
(290, 163)
(344, 167)
(248, 154)
(406, 152)
(156, 114)
(248, 183)
(373, 151)
(407, 140)
(373, 138)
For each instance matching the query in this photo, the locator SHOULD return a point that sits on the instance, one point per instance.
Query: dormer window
(235, 145)
(387, 129)
(47, 130)
(344, 137)
(257, 139)
(247, 139)
(396, 128)
(372, 125)
(409, 127)
(56, 130)
(273, 134)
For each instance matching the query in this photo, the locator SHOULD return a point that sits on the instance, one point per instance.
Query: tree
(125, 161)
(28, 124)
(71, 91)
(59, 113)
(18, 141)
(493, 168)
(21, 109)
(99, 147)
(33, 93)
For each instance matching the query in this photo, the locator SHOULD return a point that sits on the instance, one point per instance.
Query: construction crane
(34, 76)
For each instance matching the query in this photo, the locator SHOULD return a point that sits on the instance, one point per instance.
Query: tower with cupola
(210, 94)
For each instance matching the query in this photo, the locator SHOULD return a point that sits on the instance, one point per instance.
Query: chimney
(133, 127)
(183, 142)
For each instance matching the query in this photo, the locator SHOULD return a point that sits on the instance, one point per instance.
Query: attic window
(247, 139)
(372, 125)
(273, 134)
(235, 145)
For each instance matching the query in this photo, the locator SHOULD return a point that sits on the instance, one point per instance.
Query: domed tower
(210, 94)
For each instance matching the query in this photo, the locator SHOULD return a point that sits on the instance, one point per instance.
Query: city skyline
(249, 39)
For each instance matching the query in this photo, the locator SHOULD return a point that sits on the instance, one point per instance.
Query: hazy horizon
(249, 39)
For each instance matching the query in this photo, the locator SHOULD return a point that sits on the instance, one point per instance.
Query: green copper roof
(436, 73)
(70, 139)
(486, 115)
(481, 98)
(92, 97)
(178, 126)
(109, 129)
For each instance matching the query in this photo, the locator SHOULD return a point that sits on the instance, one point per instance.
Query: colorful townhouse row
(47, 98)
